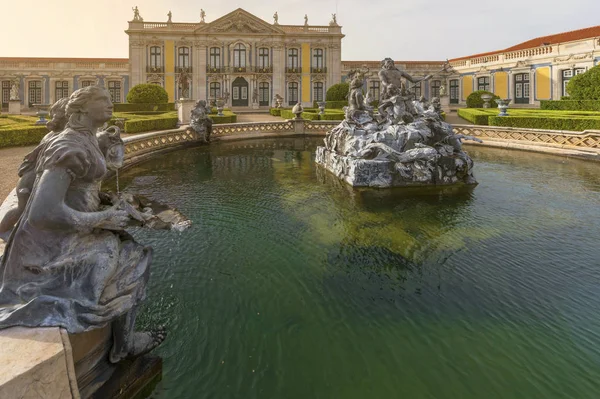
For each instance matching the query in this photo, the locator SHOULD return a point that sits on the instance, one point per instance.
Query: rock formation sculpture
(406, 143)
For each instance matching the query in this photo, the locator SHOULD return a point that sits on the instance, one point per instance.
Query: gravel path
(10, 159)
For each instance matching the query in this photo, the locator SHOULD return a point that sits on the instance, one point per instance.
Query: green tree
(147, 93)
(474, 99)
(338, 92)
(585, 86)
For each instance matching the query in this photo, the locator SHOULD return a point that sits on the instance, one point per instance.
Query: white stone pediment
(239, 21)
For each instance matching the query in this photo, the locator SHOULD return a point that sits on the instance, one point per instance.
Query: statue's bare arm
(49, 211)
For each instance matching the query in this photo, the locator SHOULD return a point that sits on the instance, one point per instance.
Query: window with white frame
(483, 83)
(567, 74)
(318, 58)
(114, 88)
(155, 57)
(435, 88)
(292, 58)
(215, 90)
(184, 57)
(35, 92)
(87, 82)
(318, 91)
(263, 57)
(263, 93)
(292, 93)
(416, 90)
(215, 57)
(239, 56)
(61, 90)
(374, 90)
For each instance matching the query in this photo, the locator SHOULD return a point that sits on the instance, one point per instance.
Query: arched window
(318, 91)
(215, 90)
(155, 57)
(293, 93)
(317, 63)
(239, 56)
(184, 57)
(263, 58)
(263, 93)
(215, 57)
(293, 60)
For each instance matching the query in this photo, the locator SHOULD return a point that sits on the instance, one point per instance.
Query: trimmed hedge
(570, 105)
(474, 99)
(474, 115)
(127, 107)
(566, 123)
(336, 104)
(147, 93)
(332, 116)
(338, 92)
(22, 135)
(585, 86)
(275, 111)
(159, 122)
(228, 117)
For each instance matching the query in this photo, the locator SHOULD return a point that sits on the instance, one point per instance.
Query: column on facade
(279, 70)
(336, 63)
(137, 62)
(199, 71)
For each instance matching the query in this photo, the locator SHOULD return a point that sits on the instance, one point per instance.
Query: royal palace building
(244, 58)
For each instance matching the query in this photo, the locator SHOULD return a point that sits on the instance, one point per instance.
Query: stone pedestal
(36, 363)
(445, 104)
(255, 106)
(298, 125)
(14, 107)
(184, 108)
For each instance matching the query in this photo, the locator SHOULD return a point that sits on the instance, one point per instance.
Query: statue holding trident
(136, 14)
(392, 76)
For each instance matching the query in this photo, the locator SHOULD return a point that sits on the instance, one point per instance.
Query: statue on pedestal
(169, 15)
(183, 82)
(255, 96)
(14, 92)
(68, 262)
(200, 122)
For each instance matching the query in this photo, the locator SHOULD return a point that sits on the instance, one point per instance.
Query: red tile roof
(564, 37)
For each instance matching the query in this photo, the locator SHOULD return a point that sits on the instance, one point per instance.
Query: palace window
(263, 57)
(293, 58)
(239, 56)
(454, 91)
(6, 91)
(86, 83)
(416, 90)
(522, 88)
(435, 88)
(61, 90)
(318, 91)
(155, 57)
(483, 83)
(35, 92)
(567, 74)
(215, 90)
(215, 57)
(318, 58)
(263, 93)
(184, 57)
(114, 88)
(292, 93)
(374, 90)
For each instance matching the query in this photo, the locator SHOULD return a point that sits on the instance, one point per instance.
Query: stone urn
(321, 105)
(220, 105)
(298, 110)
(503, 106)
(486, 100)
(41, 114)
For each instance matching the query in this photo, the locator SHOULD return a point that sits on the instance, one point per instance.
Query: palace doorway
(239, 92)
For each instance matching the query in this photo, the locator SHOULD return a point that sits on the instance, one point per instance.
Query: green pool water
(292, 285)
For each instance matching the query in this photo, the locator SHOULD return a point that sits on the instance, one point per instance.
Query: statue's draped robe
(64, 277)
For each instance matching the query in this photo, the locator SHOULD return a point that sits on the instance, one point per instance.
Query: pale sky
(374, 29)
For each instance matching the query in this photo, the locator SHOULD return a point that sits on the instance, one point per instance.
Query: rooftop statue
(305, 19)
(169, 15)
(68, 262)
(406, 143)
(275, 19)
(202, 15)
(136, 14)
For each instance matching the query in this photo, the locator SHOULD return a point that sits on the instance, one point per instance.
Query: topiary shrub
(338, 92)
(475, 101)
(147, 93)
(585, 86)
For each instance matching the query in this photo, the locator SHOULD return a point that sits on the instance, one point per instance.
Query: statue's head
(112, 147)
(387, 63)
(89, 107)
(201, 103)
(58, 115)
